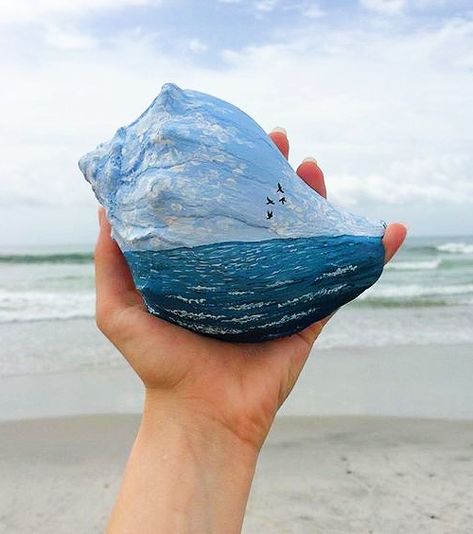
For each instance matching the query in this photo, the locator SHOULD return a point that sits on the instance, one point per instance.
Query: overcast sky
(379, 91)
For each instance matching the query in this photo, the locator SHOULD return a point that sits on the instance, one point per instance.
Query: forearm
(186, 474)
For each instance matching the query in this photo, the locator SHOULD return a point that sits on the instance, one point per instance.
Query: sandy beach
(424, 381)
(316, 474)
(377, 436)
(371, 440)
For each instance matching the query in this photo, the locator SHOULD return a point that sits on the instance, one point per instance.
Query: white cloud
(266, 5)
(260, 8)
(68, 39)
(312, 11)
(384, 6)
(27, 11)
(398, 6)
(197, 46)
(388, 114)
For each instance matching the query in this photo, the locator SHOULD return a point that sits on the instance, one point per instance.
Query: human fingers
(313, 176)
(279, 138)
(393, 239)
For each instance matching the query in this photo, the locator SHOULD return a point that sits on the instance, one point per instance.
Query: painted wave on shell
(195, 170)
(246, 291)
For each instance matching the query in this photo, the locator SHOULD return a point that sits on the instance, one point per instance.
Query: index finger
(279, 138)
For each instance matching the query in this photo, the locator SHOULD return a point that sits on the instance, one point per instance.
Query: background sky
(379, 91)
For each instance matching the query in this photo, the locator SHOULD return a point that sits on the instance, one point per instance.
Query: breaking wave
(456, 248)
(414, 265)
(417, 295)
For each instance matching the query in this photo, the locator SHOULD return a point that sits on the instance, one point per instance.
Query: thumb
(113, 280)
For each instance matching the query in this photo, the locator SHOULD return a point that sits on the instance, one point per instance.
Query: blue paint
(195, 170)
(256, 291)
(221, 235)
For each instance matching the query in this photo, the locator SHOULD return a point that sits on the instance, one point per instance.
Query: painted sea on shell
(242, 291)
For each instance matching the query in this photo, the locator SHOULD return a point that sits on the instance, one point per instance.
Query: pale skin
(209, 404)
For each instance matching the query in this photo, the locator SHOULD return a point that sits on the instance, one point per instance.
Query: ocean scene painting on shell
(221, 236)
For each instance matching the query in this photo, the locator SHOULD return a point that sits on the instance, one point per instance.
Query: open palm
(238, 385)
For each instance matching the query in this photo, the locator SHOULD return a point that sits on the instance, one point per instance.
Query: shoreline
(404, 381)
(316, 474)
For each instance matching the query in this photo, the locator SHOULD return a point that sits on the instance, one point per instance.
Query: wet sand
(316, 474)
(431, 381)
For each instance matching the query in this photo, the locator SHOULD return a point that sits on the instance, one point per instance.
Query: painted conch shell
(221, 236)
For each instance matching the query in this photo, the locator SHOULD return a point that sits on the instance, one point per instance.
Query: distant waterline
(58, 284)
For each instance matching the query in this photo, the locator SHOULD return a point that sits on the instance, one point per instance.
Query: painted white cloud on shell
(207, 157)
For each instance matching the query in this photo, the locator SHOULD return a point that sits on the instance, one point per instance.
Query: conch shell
(221, 236)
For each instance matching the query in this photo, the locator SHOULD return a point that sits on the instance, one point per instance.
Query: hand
(209, 404)
(240, 386)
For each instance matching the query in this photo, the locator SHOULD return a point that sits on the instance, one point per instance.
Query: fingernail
(402, 224)
(310, 160)
(279, 129)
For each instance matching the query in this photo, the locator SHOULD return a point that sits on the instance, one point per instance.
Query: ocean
(425, 296)
(256, 291)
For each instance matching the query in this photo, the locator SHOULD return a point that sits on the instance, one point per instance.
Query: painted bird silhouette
(269, 215)
(280, 189)
(282, 200)
(269, 201)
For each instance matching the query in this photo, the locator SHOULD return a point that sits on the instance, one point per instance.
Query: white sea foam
(212, 330)
(203, 288)
(192, 315)
(287, 318)
(280, 283)
(338, 272)
(189, 301)
(248, 306)
(414, 265)
(30, 306)
(456, 248)
(312, 295)
(412, 291)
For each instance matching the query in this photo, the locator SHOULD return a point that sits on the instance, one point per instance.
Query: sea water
(47, 306)
(403, 347)
(248, 291)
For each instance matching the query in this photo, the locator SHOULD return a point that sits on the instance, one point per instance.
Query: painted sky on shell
(196, 170)
(379, 91)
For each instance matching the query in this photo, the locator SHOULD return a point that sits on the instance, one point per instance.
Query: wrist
(195, 473)
(195, 427)
(202, 423)
(187, 473)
